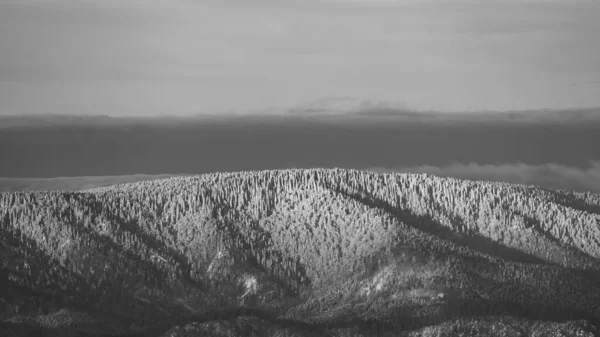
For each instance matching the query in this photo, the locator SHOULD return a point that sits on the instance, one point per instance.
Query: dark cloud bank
(553, 151)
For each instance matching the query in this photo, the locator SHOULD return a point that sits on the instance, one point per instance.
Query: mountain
(319, 252)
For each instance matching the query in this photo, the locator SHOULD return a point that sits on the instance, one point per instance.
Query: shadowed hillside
(305, 252)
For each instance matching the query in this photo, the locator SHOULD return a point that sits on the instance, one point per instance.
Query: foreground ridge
(301, 250)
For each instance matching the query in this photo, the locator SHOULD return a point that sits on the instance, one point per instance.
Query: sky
(182, 57)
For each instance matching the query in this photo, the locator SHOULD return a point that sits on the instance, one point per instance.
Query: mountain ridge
(382, 245)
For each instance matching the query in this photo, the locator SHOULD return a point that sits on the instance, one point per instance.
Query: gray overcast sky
(127, 57)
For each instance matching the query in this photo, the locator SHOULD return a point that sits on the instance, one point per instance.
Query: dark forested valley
(317, 252)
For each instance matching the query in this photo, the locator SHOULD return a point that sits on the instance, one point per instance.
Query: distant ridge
(72, 183)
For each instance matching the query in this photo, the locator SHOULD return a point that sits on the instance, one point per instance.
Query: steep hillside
(339, 252)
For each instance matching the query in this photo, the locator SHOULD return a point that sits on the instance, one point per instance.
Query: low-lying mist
(549, 175)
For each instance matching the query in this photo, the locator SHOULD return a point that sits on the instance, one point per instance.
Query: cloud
(136, 57)
(362, 107)
(548, 175)
(341, 105)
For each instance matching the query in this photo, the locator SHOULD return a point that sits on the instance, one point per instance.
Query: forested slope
(306, 250)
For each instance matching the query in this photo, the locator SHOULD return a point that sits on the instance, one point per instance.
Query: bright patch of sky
(146, 57)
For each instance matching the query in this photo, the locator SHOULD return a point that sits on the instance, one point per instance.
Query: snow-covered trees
(298, 229)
